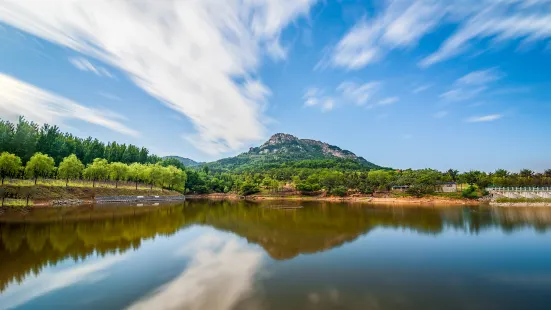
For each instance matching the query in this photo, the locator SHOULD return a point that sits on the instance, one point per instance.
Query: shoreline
(432, 200)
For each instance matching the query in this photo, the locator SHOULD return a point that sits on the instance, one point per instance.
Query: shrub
(339, 191)
(470, 193)
(249, 189)
(420, 190)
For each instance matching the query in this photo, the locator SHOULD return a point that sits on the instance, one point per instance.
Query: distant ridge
(185, 161)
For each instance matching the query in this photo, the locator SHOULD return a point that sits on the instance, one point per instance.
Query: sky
(459, 84)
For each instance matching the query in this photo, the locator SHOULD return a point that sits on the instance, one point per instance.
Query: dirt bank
(42, 195)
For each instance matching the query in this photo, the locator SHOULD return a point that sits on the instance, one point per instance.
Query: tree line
(26, 138)
(71, 168)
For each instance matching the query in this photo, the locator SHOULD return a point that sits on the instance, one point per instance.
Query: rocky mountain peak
(280, 138)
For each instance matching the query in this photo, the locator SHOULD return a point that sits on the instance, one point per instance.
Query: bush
(249, 189)
(470, 193)
(339, 191)
(308, 187)
(420, 190)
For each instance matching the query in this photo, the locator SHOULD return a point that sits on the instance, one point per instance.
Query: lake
(242, 255)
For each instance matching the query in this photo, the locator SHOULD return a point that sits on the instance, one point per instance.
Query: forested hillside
(25, 138)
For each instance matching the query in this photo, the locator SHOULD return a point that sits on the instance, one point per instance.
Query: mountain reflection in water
(41, 238)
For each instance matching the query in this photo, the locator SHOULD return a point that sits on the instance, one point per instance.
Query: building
(447, 187)
(400, 188)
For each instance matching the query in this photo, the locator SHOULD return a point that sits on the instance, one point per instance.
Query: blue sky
(425, 83)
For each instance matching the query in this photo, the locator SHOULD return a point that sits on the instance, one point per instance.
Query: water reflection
(220, 273)
(225, 265)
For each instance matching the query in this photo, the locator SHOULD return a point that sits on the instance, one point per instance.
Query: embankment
(42, 195)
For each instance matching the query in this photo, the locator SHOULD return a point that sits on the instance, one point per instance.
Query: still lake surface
(203, 255)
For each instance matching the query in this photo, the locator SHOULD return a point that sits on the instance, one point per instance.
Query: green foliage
(339, 191)
(523, 200)
(118, 172)
(420, 190)
(26, 138)
(249, 189)
(70, 168)
(97, 171)
(470, 193)
(10, 165)
(39, 165)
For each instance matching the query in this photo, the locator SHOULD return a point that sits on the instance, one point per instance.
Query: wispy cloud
(481, 77)
(388, 101)
(19, 98)
(358, 94)
(110, 96)
(472, 84)
(402, 24)
(84, 64)
(194, 56)
(315, 97)
(485, 118)
(421, 88)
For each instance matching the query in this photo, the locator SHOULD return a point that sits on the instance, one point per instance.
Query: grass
(16, 203)
(75, 183)
(55, 189)
(523, 200)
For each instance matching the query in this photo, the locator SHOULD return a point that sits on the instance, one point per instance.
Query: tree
(97, 170)
(10, 165)
(175, 177)
(39, 165)
(70, 168)
(135, 172)
(156, 175)
(453, 174)
(118, 172)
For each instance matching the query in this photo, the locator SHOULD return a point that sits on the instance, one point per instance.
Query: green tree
(98, 170)
(39, 165)
(70, 168)
(453, 174)
(10, 165)
(118, 172)
(176, 178)
(135, 172)
(156, 175)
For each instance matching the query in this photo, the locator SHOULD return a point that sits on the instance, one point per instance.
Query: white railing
(519, 189)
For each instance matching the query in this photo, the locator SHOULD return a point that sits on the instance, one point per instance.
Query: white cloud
(486, 118)
(221, 268)
(315, 97)
(359, 94)
(388, 101)
(481, 77)
(472, 84)
(192, 55)
(421, 88)
(500, 20)
(110, 96)
(402, 24)
(84, 64)
(19, 98)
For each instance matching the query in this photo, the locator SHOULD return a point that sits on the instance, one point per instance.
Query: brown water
(221, 255)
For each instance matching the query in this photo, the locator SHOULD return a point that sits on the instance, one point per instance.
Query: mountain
(283, 148)
(185, 161)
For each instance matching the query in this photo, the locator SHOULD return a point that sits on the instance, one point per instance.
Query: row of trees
(71, 168)
(25, 138)
(340, 182)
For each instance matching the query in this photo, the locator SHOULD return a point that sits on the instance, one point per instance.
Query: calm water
(214, 255)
